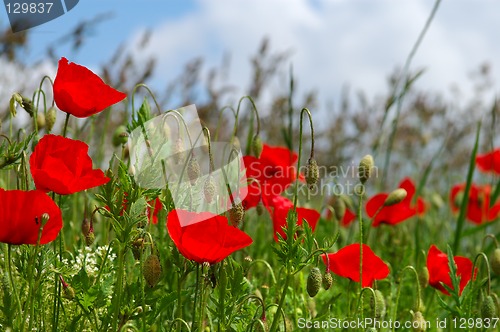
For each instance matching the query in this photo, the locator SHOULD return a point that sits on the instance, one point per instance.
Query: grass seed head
(193, 170)
(209, 189)
(236, 214)
(312, 173)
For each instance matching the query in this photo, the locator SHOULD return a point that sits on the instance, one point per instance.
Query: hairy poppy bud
(365, 168)
(419, 324)
(495, 261)
(488, 308)
(40, 120)
(314, 281)
(89, 239)
(120, 136)
(50, 118)
(69, 292)
(209, 190)
(152, 270)
(256, 146)
(339, 208)
(327, 280)
(138, 247)
(27, 105)
(395, 197)
(236, 143)
(236, 214)
(86, 225)
(378, 304)
(193, 170)
(423, 277)
(312, 173)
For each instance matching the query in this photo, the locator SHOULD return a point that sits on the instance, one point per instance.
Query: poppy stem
(274, 325)
(12, 283)
(419, 296)
(66, 121)
(118, 286)
(360, 217)
(220, 119)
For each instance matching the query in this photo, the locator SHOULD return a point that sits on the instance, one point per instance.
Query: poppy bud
(314, 281)
(86, 225)
(28, 106)
(152, 270)
(495, 261)
(259, 208)
(339, 208)
(488, 308)
(193, 170)
(236, 143)
(138, 248)
(69, 292)
(16, 98)
(177, 151)
(312, 173)
(120, 136)
(395, 197)
(419, 324)
(365, 168)
(89, 239)
(327, 280)
(423, 277)
(236, 214)
(378, 304)
(40, 120)
(209, 190)
(50, 118)
(257, 146)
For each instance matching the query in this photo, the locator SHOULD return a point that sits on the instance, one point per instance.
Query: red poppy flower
(63, 166)
(269, 175)
(281, 206)
(348, 218)
(478, 207)
(80, 92)
(396, 213)
(489, 162)
(345, 263)
(439, 271)
(207, 237)
(153, 209)
(21, 217)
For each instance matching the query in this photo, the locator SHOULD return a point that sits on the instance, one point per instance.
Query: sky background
(332, 42)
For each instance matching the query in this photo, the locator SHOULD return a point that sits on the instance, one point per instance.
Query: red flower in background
(269, 175)
(439, 271)
(349, 217)
(478, 207)
(489, 162)
(208, 238)
(21, 217)
(281, 206)
(345, 263)
(396, 213)
(154, 207)
(63, 166)
(80, 92)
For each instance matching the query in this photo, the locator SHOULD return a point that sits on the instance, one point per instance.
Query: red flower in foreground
(281, 207)
(489, 162)
(269, 175)
(63, 166)
(80, 92)
(208, 238)
(478, 207)
(439, 271)
(345, 263)
(21, 217)
(396, 213)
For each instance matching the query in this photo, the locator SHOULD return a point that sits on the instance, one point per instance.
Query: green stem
(14, 290)
(274, 325)
(118, 286)
(360, 218)
(65, 128)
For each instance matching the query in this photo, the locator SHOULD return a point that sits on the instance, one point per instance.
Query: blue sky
(332, 42)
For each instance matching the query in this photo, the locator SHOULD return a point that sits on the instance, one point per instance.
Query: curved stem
(142, 85)
(220, 119)
(274, 325)
(419, 297)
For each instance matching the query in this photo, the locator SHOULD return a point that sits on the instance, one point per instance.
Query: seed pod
(89, 239)
(365, 168)
(27, 105)
(495, 261)
(488, 308)
(193, 170)
(209, 190)
(50, 118)
(378, 305)
(423, 277)
(236, 214)
(152, 270)
(312, 173)
(395, 197)
(314, 281)
(256, 146)
(327, 280)
(419, 324)
(120, 136)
